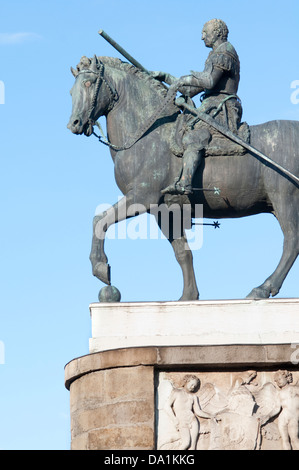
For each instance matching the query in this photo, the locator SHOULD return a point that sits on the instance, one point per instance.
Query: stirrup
(177, 188)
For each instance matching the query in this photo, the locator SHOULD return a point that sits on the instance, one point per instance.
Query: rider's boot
(191, 160)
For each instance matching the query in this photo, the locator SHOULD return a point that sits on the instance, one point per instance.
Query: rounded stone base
(113, 393)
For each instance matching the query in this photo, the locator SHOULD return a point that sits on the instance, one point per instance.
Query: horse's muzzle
(75, 125)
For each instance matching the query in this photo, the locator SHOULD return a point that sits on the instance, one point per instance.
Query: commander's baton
(122, 51)
(225, 131)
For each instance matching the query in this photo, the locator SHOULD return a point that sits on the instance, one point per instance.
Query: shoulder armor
(225, 58)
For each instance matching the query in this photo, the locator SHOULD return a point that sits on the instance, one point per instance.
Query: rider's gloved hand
(158, 76)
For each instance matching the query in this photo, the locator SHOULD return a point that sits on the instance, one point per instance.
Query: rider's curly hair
(219, 27)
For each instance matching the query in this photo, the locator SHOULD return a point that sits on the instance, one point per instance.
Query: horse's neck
(136, 103)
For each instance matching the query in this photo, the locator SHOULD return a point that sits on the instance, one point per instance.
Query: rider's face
(209, 36)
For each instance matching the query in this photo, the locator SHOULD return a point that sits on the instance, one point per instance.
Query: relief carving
(228, 411)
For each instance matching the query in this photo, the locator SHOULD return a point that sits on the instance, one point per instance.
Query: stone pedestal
(141, 353)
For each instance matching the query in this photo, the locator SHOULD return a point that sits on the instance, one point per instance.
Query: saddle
(219, 145)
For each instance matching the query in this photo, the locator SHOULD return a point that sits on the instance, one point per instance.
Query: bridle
(169, 98)
(113, 94)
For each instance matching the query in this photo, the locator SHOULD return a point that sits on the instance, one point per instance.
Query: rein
(171, 94)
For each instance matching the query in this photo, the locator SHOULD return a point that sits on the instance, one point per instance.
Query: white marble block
(217, 322)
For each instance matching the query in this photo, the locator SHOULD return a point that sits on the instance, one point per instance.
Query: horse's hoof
(259, 293)
(102, 272)
(189, 297)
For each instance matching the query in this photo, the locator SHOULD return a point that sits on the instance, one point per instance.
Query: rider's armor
(221, 101)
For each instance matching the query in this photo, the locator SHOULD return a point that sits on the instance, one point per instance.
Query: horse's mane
(118, 64)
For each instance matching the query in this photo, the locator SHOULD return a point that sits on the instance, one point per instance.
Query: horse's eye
(87, 84)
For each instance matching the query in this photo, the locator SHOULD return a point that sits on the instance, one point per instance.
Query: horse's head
(88, 103)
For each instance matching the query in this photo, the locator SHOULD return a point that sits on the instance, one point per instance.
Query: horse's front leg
(122, 210)
(98, 258)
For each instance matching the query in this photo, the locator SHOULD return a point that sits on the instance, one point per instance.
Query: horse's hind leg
(184, 257)
(289, 221)
(183, 254)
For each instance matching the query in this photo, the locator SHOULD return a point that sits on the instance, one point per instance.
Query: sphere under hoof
(109, 294)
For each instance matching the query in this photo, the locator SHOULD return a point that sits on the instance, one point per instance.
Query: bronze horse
(145, 164)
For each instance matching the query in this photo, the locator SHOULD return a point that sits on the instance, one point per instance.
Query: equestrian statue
(168, 152)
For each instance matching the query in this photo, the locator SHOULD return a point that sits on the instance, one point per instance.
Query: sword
(223, 130)
(122, 51)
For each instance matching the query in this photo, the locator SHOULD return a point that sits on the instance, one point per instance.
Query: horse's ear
(74, 72)
(94, 63)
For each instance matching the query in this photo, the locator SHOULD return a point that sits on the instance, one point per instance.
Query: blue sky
(52, 181)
